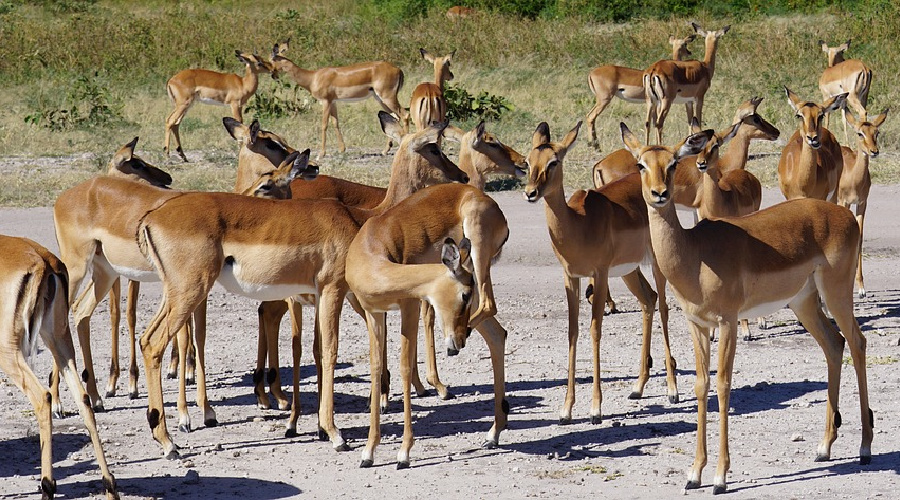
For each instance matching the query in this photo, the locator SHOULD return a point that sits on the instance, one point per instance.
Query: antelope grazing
(627, 84)
(378, 79)
(597, 234)
(93, 220)
(811, 162)
(458, 12)
(845, 76)
(211, 87)
(853, 188)
(672, 82)
(286, 259)
(35, 304)
(427, 104)
(729, 268)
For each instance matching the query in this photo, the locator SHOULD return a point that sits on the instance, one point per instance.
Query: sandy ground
(640, 450)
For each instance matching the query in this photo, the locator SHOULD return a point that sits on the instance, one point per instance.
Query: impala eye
(552, 164)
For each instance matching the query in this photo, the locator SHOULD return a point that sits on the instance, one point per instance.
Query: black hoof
(423, 393)
(822, 458)
(133, 395)
(173, 455)
(614, 311)
(596, 419)
(365, 464)
(748, 338)
(865, 460)
(402, 465)
(634, 395)
(110, 393)
(343, 447)
(171, 375)
(211, 422)
(692, 485)
(719, 489)
(291, 433)
(674, 399)
(564, 421)
(190, 381)
(448, 396)
(185, 428)
(322, 435)
(98, 408)
(489, 445)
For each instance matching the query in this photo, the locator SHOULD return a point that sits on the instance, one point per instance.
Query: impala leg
(209, 415)
(652, 109)
(184, 417)
(495, 337)
(573, 286)
(639, 286)
(432, 375)
(860, 219)
(596, 334)
(330, 301)
(689, 112)
(337, 127)
(173, 122)
(409, 330)
(134, 289)
(386, 374)
(662, 113)
(391, 105)
(377, 336)
(259, 388)
(236, 111)
(103, 282)
(671, 366)
(324, 127)
(601, 104)
(727, 345)
(745, 327)
(700, 337)
(273, 315)
(296, 350)
(115, 316)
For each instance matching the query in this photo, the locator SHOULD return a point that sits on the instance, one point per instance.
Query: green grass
(539, 65)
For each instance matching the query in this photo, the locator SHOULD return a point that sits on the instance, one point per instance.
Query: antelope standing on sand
(723, 269)
(212, 87)
(35, 304)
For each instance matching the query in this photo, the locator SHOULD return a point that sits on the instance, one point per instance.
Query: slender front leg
(573, 288)
(115, 316)
(184, 417)
(296, 351)
(597, 308)
(209, 415)
(495, 337)
(727, 345)
(409, 330)
(377, 334)
(326, 111)
(671, 366)
(640, 288)
(431, 374)
(337, 127)
(134, 290)
(860, 219)
(330, 301)
(700, 337)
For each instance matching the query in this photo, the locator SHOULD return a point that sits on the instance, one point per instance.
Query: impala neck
(408, 175)
(709, 56)
(558, 211)
(250, 81)
(674, 246)
(836, 58)
(303, 77)
(438, 77)
(736, 153)
(468, 159)
(806, 167)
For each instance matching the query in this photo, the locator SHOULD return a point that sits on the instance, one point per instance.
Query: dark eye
(641, 166)
(672, 166)
(552, 164)
(466, 297)
(755, 118)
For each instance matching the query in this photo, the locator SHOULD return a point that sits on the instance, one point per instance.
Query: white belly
(763, 309)
(142, 275)
(207, 100)
(260, 291)
(622, 269)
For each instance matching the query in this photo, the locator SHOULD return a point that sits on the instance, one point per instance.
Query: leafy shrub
(280, 102)
(90, 106)
(462, 106)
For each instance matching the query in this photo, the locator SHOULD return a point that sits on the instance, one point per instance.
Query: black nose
(469, 332)
(465, 179)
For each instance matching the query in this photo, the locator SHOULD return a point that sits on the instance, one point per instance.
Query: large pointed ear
(450, 256)
(700, 31)
(845, 46)
(724, 30)
(569, 139)
(671, 39)
(541, 135)
(755, 102)
(793, 99)
(124, 154)
(479, 131)
(632, 143)
(823, 45)
(730, 133)
(254, 130)
(693, 144)
(450, 57)
(427, 136)
(877, 121)
(301, 167)
(241, 58)
(235, 128)
(695, 125)
(690, 38)
(425, 55)
(391, 126)
(835, 102)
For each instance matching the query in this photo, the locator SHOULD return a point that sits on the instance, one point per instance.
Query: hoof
(596, 419)
(748, 338)
(365, 464)
(211, 422)
(489, 444)
(59, 415)
(110, 393)
(674, 399)
(402, 465)
(692, 485)
(173, 455)
(719, 489)
(291, 433)
(133, 395)
(98, 407)
(172, 375)
(342, 447)
(634, 395)
(825, 458)
(565, 420)
(284, 406)
(423, 393)
(865, 460)
(448, 396)
(185, 428)
(190, 381)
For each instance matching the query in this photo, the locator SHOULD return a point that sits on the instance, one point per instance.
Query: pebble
(797, 437)
(236, 454)
(187, 464)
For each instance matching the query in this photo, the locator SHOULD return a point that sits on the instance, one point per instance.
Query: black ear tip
(449, 241)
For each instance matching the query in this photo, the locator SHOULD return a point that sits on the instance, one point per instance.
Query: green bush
(87, 104)
(280, 102)
(462, 106)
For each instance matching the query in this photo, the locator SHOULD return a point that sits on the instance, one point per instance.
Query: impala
(627, 84)
(287, 258)
(845, 76)
(792, 253)
(212, 87)
(811, 162)
(672, 82)
(597, 234)
(35, 304)
(427, 104)
(458, 12)
(379, 79)
(853, 188)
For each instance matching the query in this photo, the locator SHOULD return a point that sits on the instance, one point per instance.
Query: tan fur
(845, 76)
(427, 104)
(34, 282)
(721, 269)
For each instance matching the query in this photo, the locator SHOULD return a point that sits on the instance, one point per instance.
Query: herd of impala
(289, 237)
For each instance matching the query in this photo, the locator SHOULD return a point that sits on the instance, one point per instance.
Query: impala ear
(541, 135)
(425, 55)
(391, 126)
(632, 143)
(241, 57)
(479, 132)
(301, 167)
(878, 120)
(854, 123)
(671, 39)
(569, 139)
(697, 29)
(450, 255)
(254, 130)
(233, 127)
(690, 38)
(793, 99)
(695, 125)
(730, 133)
(725, 29)
(693, 144)
(124, 154)
(823, 45)
(845, 46)
(835, 102)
